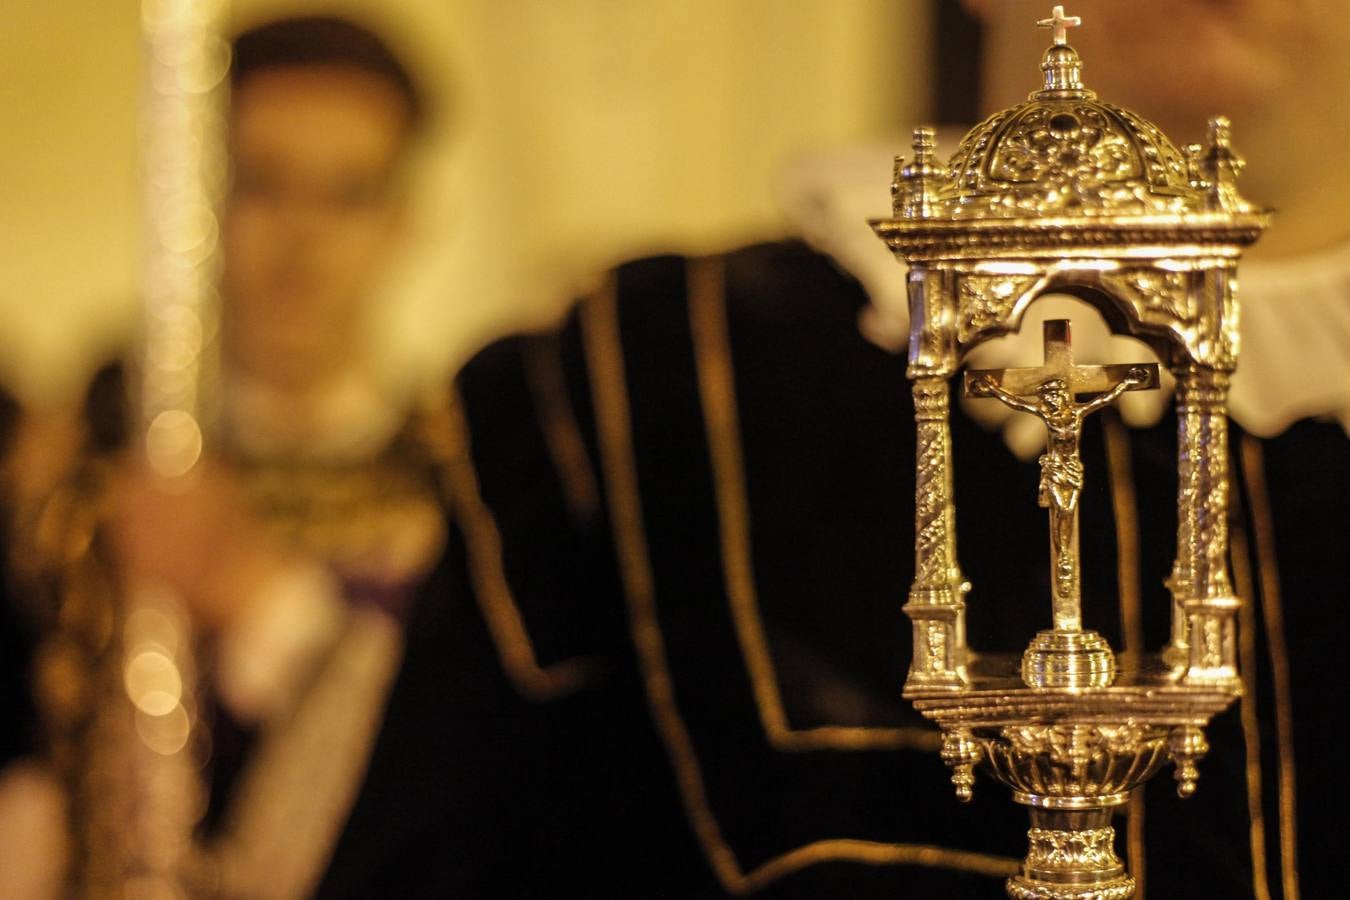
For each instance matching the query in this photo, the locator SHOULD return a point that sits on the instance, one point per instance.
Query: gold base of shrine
(1020, 888)
(1070, 755)
(1068, 659)
(1071, 856)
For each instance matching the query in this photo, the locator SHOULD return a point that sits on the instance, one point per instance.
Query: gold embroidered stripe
(446, 436)
(1251, 732)
(1263, 523)
(600, 329)
(717, 391)
(557, 421)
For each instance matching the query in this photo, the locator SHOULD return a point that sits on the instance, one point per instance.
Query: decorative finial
(1195, 167)
(915, 184)
(1220, 166)
(925, 141)
(1061, 24)
(1061, 67)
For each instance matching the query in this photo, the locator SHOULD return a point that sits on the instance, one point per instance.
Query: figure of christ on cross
(1050, 391)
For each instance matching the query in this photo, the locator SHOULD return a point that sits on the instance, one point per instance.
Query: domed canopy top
(1065, 154)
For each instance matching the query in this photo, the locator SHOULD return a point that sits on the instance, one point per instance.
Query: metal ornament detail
(1061, 24)
(1068, 194)
(1067, 656)
(1049, 392)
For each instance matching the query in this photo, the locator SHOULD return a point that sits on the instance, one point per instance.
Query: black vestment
(823, 427)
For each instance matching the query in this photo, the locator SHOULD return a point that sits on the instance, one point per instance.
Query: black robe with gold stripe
(727, 465)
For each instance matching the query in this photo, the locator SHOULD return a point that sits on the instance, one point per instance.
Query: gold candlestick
(117, 675)
(1068, 194)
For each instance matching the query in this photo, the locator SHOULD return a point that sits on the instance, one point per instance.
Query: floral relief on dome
(1061, 146)
(1067, 158)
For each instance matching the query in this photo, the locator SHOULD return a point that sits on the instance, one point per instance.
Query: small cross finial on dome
(1060, 66)
(1061, 24)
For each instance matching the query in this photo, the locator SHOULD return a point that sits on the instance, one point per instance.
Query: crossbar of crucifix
(1059, 363)
(1050, 391)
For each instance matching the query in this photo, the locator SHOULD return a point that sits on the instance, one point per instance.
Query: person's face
(310, 217)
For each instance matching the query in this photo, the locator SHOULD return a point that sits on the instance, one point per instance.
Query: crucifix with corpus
(1050, 391)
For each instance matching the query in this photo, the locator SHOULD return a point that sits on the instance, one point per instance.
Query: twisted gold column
(1201, 586)
(937, 598)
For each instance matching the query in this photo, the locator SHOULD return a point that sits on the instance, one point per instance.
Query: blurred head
(322, 116)
(1277, 68)
(1175, 62)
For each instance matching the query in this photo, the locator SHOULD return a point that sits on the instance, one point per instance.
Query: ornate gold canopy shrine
(1066, 193)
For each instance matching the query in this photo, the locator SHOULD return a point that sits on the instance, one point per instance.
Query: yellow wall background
(586, 131)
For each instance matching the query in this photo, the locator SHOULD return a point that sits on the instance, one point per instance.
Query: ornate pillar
(936, 606)
(1202, 589)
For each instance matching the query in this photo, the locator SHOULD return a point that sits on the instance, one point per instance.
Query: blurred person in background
(376, 723)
